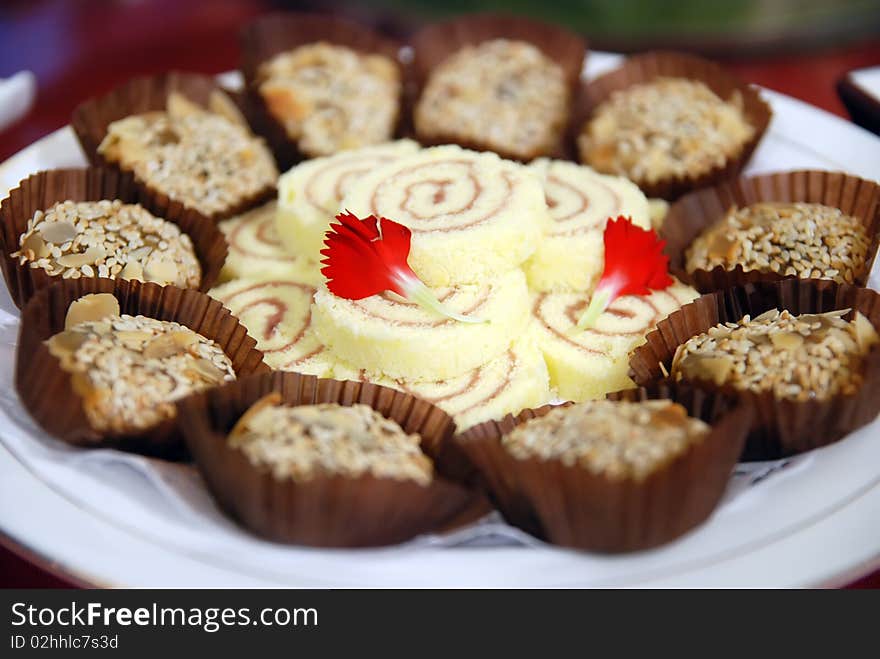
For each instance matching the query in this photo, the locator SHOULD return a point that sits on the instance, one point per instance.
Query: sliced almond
(36, 245)
(64, 344)
(161, 271)
(220, 103)
(179, 106)
(184, 339)
(770, 314)
(161, 347)
(723, 247)
(132, 270)
(787, 340)
(141, 253)
(242, 426)
(714, 369)
(133, 338)
(92, 307)
(866, 333)
(207, 371)
(58, 233)
(74, 260)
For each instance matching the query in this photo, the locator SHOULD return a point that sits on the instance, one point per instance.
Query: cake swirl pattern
(277, 313)
(515, 380)
(587, 364)
(580, 202)
(472, 214)
(388, 336)
(310, 194)
(255, 249)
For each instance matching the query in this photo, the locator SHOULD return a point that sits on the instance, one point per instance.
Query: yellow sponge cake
(472, 215)
(309, 195)
(587, 364)
(255, 249)
(388, 335)
(508, 384)
(277, 313)
(580, 201)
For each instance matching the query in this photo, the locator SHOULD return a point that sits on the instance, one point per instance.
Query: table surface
(88, 48)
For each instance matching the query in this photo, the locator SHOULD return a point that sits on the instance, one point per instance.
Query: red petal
(634, 259)
(360, 261)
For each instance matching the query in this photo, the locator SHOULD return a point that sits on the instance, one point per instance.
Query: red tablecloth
(81, 49)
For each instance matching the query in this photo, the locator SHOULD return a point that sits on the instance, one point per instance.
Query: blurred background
(79, 48)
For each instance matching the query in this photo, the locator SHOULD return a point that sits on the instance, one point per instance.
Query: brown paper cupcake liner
(651, 65)
(573, 507)
(46, 390)
(334, 511)
(275, 33)
(781, 427)
(92, 118)
(435, 43)
(40, 191)
(694, 213)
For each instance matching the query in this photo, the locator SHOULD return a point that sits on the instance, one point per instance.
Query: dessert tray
(106, 518)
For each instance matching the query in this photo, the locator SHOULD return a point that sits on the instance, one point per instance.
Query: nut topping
(812, 356)
(89, 308)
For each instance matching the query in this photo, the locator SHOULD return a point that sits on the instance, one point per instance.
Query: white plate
(113, 519)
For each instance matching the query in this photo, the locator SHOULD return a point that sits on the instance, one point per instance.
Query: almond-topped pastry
(304, 441)
(329, 97)
(206, 159)
(805, 357)
(108, 239)
(667, 128)
(613, 475)
(503, 95)
(129, 370)
(619, 439)
(807, 240)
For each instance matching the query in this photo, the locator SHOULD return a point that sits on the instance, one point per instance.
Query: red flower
(634, 265)
(369, 256)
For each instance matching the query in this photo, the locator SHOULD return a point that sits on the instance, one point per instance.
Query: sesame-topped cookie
(329, 97)
(503, 94)
(129, 370)
(205, 159)
(110, 239)
(669, 127)
(300, 442)
(803, 239)
(615, 438)
(800, 357)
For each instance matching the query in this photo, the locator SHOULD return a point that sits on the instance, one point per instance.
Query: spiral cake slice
(255, 249)
(587, 364)
(310, 194)
(515, 380)
(473, 215)
(277, 313)
(580, 202)
(388, 335)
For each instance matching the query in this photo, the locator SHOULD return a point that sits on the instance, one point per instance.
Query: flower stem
(420, 294)
(598, 303)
